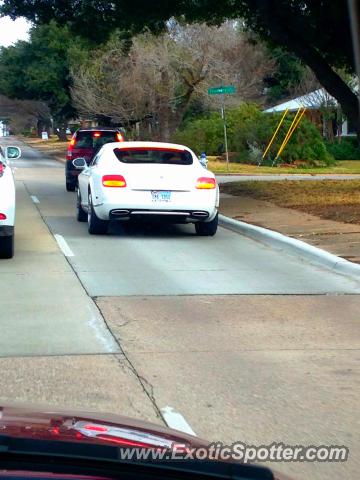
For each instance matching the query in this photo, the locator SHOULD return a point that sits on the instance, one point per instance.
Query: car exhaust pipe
(120, 213)
(200, 214)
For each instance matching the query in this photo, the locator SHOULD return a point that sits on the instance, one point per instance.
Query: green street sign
(221, 90)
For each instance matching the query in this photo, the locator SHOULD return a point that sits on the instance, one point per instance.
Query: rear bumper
(6, 230)
(177, 214)
(183, 207)
(170, 216)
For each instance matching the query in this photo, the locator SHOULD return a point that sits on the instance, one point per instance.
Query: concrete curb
(293, 246)
(295, 175)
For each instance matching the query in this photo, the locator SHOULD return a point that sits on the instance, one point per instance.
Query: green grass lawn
(332, 199)
(52, 143)
(345, 166)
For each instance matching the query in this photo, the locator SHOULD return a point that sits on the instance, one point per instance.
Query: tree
(25, 114)
(160, 76)
(287, 76)
(40, 69)
(316, 31)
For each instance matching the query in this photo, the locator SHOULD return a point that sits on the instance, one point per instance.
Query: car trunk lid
(160, 177)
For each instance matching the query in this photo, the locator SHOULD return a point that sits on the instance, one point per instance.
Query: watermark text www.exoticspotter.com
(240, 452)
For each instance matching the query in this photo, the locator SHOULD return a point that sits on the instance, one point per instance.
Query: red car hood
(47, 424)
(89, 427)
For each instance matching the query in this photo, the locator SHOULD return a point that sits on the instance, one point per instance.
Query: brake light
(95, 428)
(2, 216)
(119, 137)
(205, 183)
(2, 168)
(70, 148)
(127, 443)
(97, 134)
(113, 181)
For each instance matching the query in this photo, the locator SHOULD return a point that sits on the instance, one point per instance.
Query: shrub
(347, 149)
(249, 131)
(305, 144)
(27, 133)
(203, 134)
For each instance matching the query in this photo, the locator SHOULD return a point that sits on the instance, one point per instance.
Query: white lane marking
(64, 247)
(175, 420)
(99, 329)
(35, 199)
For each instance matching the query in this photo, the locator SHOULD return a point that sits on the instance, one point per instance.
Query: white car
(146, 180)
(7, 201)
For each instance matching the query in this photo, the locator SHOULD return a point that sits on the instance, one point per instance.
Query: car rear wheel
(207, 229)
(70, 186)
(7, 246)
(96, 226)
(81, 216)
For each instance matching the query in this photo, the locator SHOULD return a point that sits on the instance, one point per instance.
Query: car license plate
(161, 196)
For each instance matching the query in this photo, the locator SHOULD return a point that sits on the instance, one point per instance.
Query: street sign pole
(229, 89)
(225, 134)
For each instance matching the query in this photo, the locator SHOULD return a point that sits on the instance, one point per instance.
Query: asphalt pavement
(245, 342)
(170, 260)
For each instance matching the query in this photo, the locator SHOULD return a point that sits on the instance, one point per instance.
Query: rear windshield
(94, 139)
(154, 155)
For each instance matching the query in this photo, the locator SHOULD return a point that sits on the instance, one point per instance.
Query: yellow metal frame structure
(298, 116)
(294, 124)
(275, 133)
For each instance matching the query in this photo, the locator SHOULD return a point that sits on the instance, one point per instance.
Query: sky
(11, 31)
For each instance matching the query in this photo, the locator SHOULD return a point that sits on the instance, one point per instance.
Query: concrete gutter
(293, 246)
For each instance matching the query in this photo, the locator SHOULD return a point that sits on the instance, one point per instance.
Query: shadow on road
(150, 229)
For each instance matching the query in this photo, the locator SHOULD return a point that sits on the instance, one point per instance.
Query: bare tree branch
(160, 76)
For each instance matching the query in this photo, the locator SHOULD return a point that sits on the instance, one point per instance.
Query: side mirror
(12, 153)
(79, 163)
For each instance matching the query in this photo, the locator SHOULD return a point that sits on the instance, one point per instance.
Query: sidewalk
(342, 239)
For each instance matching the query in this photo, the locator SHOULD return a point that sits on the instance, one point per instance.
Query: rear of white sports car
(154, 181)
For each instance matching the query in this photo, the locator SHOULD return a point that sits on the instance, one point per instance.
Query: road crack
(146, 386)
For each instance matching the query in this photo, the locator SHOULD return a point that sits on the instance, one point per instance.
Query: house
(319, 103)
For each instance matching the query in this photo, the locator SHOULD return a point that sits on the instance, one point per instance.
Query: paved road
(245, 342)
(171, 260)
(293, 176)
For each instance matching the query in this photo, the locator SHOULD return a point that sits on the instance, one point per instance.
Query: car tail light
(113, 181)
(96, 428)
(2, 169)
(70, 148)
(119, 137)
(206, 183)
(127, 443)
(96, 134)
(2, 216)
